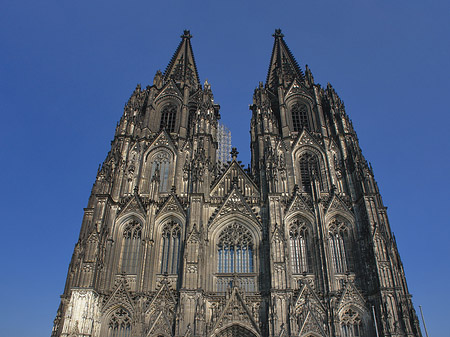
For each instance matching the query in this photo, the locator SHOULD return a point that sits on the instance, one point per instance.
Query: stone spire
(182, 68)
(283, 68)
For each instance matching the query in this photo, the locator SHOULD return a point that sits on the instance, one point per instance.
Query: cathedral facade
(175, 242)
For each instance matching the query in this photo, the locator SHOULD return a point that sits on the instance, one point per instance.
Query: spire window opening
(171, 244)
(168, 117)
(235, 250)
(299, 114)
(309, 171)
(160, 169)
(130, 247)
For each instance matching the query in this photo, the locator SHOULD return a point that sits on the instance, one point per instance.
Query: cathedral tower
(175, 243)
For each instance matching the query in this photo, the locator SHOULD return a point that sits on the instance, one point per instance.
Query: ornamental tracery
(235, 250)
(299, 113)
(160, 169)
(299, 244)
(171, 243)
(168, 117)
(351, 324)
(309, 171)
(119, 324)
(338, 241)
(131, 243)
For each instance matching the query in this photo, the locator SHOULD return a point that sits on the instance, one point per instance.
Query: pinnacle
(278, 33)
(186, 34)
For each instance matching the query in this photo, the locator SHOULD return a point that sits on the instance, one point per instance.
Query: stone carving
(235, 310)
(235, 203)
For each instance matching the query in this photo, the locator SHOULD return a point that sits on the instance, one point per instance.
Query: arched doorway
(236, 331)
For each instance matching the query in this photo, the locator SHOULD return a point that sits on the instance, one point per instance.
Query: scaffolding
(224, 148)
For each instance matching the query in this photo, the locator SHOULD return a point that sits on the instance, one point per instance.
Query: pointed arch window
(298, 239)
(235, 250)
(171, 244)
(168, 117)
(299, 112)
(351, 324)
(160, 169)
(119, 324)
(337, 241)
(309, 171)
(131, 244)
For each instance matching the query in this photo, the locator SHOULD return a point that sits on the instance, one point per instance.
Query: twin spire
(283, 68)
(182, 66)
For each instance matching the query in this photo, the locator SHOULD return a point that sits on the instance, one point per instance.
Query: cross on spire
(186, 34)
(234, 152)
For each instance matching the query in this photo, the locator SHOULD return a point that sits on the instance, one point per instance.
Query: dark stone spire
(283, 68)
(182, 67)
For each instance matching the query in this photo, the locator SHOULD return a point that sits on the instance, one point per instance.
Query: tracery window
(235, 250)
(299, 114)
(309, 171)
(337, 239)
(171, 244)
(168, 117)
(351, 324)
(119, 324)
(160, 169)
(131, 244)
(298, 238)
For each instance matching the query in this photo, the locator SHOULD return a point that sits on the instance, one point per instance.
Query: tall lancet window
(337, 241)
(119, 324)
(299, 114)
(171, 244)
(235, 250)
(168, 117)
(130, 247)
(298, 239)
(309, 171)
(160, 169)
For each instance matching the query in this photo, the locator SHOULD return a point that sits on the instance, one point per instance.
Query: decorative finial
(234, 152)
(136, 189)
(186, 34)
(173, 189)
(278, 33)
(207, 86)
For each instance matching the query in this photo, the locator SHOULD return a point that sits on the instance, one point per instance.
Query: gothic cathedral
(175, 242)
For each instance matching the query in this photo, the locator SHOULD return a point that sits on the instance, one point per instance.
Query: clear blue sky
(68, 67)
